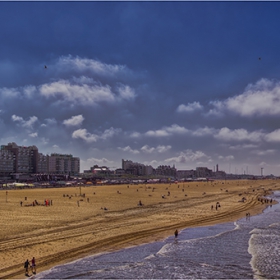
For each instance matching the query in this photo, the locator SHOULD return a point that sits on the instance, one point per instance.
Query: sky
(190, 84)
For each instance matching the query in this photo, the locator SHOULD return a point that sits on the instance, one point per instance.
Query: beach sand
(65, 231)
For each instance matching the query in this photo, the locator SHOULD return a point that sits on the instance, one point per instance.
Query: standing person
(26, 266)
(33, 264)
(176, 233)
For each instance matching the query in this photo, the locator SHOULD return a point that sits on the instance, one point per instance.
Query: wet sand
(76, 226)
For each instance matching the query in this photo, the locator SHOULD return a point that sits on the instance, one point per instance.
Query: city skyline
(161, 83)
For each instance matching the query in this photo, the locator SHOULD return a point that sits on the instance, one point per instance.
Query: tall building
(6, 162)
(42, 166)
(63, 164)
(25, 158)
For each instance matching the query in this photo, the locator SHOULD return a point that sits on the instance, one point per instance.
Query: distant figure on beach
(140, 203)
(26, 266)
(176, 233)
(33, 265)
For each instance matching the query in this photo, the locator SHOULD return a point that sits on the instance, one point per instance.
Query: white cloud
(9, 92)
(230, 157)
(147, 149)
(260, 99)
(273, 136)
(135, 135)
(89, 138)
(74, 121)
(75, 93)
(163, 149)
(28, 124)
(167, 131)
(108, 133)
(101, 161)
(35, 134)
(126, 92)
(263, 152)
(128, 149)
(83, 134)
(85, 94)
(189, 108)
(225, 134)
(244, 146)
(78, 64)
(188, 156)
(204, 131)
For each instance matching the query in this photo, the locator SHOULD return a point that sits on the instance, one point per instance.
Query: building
(16, 159)
(186, 174)
(25, 158)
(166, 170)
(203, 172)
(63, 164)
(42, 163)
(133, 168)
(7, 162)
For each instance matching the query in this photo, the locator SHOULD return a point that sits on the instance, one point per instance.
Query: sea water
(246, 249)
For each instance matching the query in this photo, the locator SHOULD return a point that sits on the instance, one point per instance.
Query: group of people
(31, 266)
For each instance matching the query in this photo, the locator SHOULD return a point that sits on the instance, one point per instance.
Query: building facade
(63, 164)
(27, 160)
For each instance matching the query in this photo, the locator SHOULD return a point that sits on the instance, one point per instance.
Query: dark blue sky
(184, 83)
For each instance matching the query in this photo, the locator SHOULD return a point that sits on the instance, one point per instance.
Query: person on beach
(176, 233)
(26, 267)
(33, 265)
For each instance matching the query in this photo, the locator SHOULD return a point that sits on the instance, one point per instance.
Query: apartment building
(7, 160)
(27, 160)
(63, 164)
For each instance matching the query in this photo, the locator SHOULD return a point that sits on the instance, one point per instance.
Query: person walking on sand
(26, 266)
(176, 233)
(33, 264)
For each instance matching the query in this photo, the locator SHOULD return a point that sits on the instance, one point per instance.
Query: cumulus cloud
(85, 135)
(273, 136)
(147, 149)
(204, 131)
(160, 149)
(86, 93)
(89, 138)
(225, 134)
(35, 134)
(74, 121)
(167, 131)
(27, 124)
(263, 152)
(135, 134)
(163, 149)
(101, 161)
(259, 99)
(187, 156)
(128, 149)
(78, 64)
(230, 157)
(189, 108)
(108, 133)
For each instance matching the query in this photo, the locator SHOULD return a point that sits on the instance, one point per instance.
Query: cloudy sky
(160, 83)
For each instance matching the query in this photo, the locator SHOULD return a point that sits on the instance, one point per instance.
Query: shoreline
(82, 233)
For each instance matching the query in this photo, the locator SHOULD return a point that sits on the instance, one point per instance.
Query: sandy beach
(76, 224)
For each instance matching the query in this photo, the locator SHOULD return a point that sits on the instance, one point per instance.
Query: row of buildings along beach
(23, 163)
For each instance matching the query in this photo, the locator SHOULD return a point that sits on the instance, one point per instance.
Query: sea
(246, 249)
